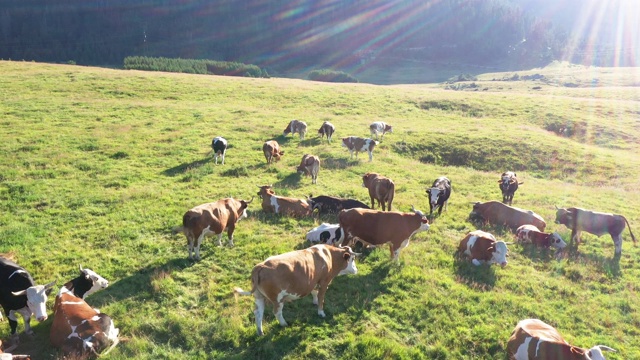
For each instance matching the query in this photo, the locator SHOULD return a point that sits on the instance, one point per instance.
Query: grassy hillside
(99, 165)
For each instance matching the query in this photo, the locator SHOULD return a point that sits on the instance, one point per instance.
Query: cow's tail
(255, 278)
(391, 194)
(177, 229)
(629, 226)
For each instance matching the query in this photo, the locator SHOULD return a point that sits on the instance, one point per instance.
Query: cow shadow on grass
(332, 163)
(603, 264)
(184, 167)
(290, 181)
(481, 277)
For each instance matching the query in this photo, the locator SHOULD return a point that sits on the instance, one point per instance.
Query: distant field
(99, 165)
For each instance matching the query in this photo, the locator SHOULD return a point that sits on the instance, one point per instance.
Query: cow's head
(314, 204)
(37, 299)
(366, 179)
(265, 191)
(388, 128)
(98, 282)
(288, 129)
(556, 241)
(346, 142)
(499, 253)
(564, 216)
(349, 256)
(434, 193)
(242, 212)
(424, 221)
(595, 353)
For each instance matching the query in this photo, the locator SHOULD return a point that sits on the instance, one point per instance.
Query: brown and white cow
(310, 165)
(296, 274)
(212, 218)
(531, 234)
(271, 150)
(482, 247)
(380, 188)
(327, 129)
(296, 126)
(358, 144)
(497, 213)
(271, 203)
(534, 339)
(596, 223)
(508, 184)
(376, 228)
(380, 127)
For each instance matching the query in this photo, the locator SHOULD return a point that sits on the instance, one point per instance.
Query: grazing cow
(377, 228)
(497, 213)
(295, 274)
(508, 184)
(271, 203)
(212, 218)
(219, 146)
(439, 194)
(380, 188)
(380, 127)
(310, 165)
(482, 247)
(296, 126)
(358, 144)
(530, 233)
(78, 329)
(20, 295)
(271, 150)
(327, 129)
(596, 223)
(333, 205)
(330, 234)
(534, 339)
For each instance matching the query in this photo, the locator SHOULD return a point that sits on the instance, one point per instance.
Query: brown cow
(358, 144)
(310, 165)
(296, 126)
(534, 339)
(482, 247)
(327, 129)
(380, 188)
(377, 228)
(497, 213)
(508, 184)
(530, 233)
(271, 150)
(212, 218)
(596, 223)
(271, 203)
(295, 274)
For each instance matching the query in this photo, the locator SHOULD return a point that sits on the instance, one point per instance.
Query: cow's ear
(346, 256)
(48, 291)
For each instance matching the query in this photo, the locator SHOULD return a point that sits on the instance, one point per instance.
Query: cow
(439, 194)
(333, 205)
(497, 213)
(596, 223)
(271, 150)
(77, 328)
(508, 184)
(380, 127)
(20, 295)
(376, 228)
(212, 218)
(296, 126)
(530, 233)
(219, 147)
(380, 188)
(310, 165)
(327, 129)
(534, 339)
(358, 144)
(482, 247)
(330, 234)
(271, 203)
(296, 274)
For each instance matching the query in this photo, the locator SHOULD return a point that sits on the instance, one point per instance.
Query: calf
(20, 295)
(296, 274)
(377, 228)
(380, 188)
(212, 218)
(482, 247)
(310, 165)
(533, 339)
(330, 234)
(219, 146)
(530, 233)
(497, 213)
(296, 126)
(271, 203)
(380, 127)
(596, 223)
(77, 328)
(331, 204)
(327, 129)
(271, 150)
(508, 184)
(358, 144)
(439, 194)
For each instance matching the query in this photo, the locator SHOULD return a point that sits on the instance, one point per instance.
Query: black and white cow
(439, 194)
(380, 127)
(332, 204)
(508, 184)
(86, 283)
(20, 295)
(330, 234)
(219, 146)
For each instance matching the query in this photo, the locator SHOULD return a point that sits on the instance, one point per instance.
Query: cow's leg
(13, 322)
(617, 241)
(373, 203)
(277, 311)
(190, 241)
(320, 299)
(26, 316)
(229, 235)
(383, 204)
(476, 262)
(575, 236)
(219, 240)
(223, 153)
(370, 156)
(259, 311)
(389, 205)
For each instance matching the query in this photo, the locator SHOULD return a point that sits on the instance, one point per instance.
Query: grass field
(97, 166)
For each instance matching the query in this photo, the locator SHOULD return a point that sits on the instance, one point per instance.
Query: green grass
(97, 166)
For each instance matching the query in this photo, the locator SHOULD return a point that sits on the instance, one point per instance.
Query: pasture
(97, 166)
